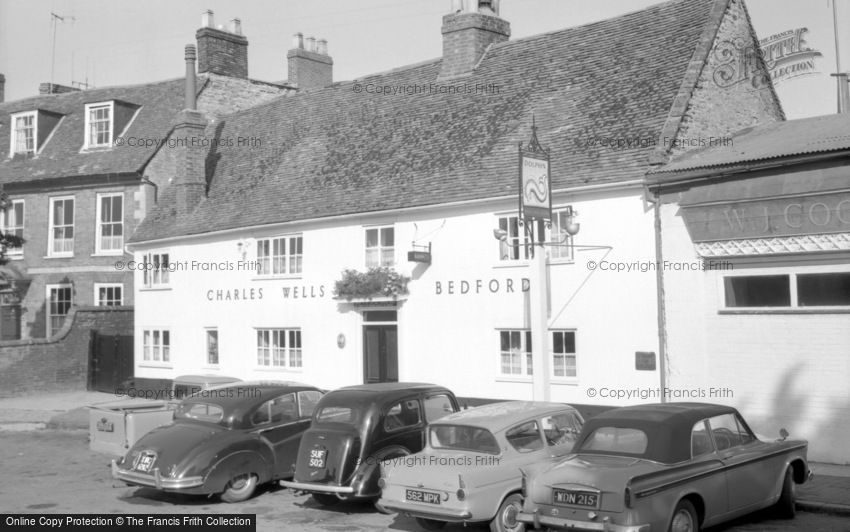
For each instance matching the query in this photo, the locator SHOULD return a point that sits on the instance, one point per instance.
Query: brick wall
(59, 363)
(466, 37)
(309, 69)
(222, 52)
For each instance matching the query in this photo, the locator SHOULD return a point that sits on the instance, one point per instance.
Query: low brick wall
(59, 363)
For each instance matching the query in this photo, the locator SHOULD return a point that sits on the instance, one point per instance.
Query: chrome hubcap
(682, 522)
(509, 517)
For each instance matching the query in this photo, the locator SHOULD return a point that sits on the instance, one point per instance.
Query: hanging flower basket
(379, 282)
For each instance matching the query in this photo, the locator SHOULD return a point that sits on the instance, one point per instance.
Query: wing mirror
(783, 434)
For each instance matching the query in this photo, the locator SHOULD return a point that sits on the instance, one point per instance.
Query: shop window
(758, 291)
(280, 256)
(279, 348)
(380, 247)
(823, 289)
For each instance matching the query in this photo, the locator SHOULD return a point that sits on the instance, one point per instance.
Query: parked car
(470, 469)
(225, 440)
(356, 427)
(673, 466)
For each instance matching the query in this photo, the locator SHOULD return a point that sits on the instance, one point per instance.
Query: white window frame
(13, 137)
(48, 312)
(207, 363)
(525, 361)
(522, 242)
(52, 226)
(98, 235)
(87, 144)
(276, 352)
(380, 249)
(98, 286)
(563, 252)
(155, 350)
(292, 263)
(794, 303)
(553, 354)
(156, 277)
(14, 252)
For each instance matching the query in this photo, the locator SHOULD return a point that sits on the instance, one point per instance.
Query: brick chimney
(471, 27)
(310, 66)
(190, 176)
(2, 88)
(222, 51)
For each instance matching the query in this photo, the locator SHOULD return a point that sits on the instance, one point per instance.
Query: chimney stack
(310, 66)
(221, 51)
(2, 88)
(471, 27)
(191, 86)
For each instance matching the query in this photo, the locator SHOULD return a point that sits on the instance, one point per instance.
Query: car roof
(389, 391)
(504, 414)
(254, 394)
(667, 426)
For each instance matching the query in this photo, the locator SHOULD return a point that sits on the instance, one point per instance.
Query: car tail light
(382, 483)
(628, 497)
(461, 494)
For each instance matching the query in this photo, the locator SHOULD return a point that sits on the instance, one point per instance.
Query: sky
(121, 42)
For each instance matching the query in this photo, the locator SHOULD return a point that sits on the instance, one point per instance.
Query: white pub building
(415, 170)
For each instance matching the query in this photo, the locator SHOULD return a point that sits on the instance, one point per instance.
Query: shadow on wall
(794, 408)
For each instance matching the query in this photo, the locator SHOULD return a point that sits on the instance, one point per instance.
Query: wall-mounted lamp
(500, 234)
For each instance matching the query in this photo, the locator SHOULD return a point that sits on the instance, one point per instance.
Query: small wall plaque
(645, 360)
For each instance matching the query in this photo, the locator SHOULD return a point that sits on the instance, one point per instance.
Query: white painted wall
(781, 370)
(450, 339)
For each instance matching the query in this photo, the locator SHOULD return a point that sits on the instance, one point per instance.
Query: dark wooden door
(380, 353)
(111, 362)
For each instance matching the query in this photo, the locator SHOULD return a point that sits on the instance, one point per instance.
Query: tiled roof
(344, 149)
(814, 135)
(61, 156)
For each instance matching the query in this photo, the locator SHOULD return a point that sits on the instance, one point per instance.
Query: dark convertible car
(226, 440)
(355, 428)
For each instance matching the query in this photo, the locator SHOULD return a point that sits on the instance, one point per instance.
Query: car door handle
(728, 456)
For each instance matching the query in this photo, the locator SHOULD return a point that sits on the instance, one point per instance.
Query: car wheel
(684, 518)
(325, 499)
(505, 520)
(786, 507)
(430, 524)
(240, 488)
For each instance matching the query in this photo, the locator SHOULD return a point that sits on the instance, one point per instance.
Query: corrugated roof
(345, 149)
(819, 134)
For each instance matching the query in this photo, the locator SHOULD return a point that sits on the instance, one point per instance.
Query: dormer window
(99, 125)
(24, 133)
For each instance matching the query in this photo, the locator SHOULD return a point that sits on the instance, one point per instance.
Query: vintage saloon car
(470, 469)
(226, 440)
(657, 467)
(356, 427)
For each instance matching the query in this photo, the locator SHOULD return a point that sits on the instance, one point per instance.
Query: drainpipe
(655, 200)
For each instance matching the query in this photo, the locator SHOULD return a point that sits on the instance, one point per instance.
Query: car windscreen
(616, 440)
(336, 414)
(206, 412)
(463, 438)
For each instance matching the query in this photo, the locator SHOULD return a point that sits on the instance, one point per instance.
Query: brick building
(84, 167)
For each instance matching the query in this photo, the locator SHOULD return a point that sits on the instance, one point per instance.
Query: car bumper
(317, 488)
(445, 514)
(155, 480)
(539, 521)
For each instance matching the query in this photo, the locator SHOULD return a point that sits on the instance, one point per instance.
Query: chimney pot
(311, 44)
(298, 41)
(236, 26)
(207, 19)
(322, 46)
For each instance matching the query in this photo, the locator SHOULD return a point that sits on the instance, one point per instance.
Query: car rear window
(463, 438)
(206, 412)
(336, 414)
(616, 440)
